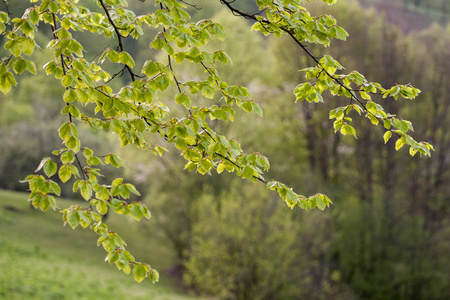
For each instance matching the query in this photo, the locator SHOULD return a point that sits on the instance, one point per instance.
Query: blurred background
(387, 235)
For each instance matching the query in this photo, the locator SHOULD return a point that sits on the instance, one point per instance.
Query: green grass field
(41, 259)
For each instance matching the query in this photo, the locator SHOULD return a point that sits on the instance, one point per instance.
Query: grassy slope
(41, 259)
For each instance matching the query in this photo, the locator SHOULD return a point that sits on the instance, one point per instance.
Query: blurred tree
(246, 246)
(392, 235)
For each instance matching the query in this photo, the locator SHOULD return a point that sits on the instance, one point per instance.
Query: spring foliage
(137, 109)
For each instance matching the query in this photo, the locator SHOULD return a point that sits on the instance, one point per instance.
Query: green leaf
(67, 157)
(135, 211)
(403, 126)
(387, 135)
(102, 208)
(247, 172)
(247, 106)
(85, 218)
(113, 56)
(42, 163)
(124, 191)
(65, 173)
(318, 97)
(36, 200)
(139, 272)
(340, 33)
(115, 161)
(113, 257)
(69, 95)
(394, 91)
(374, 120)
(54, 187)
(52, 202)
(45, 203)
(347, 129)
(320, 203)
(6, 81)
(73, 218)
(33, 15)
(151, 68)
(94, 160)
(101, 239)
(364, 95)
(66, 82)
(204, 166)
(88, 152)
(218, 31)
(398, 144)
(208, 91)
(412, 151)
(126, 269)
(102, 193)
(86, 190)
(372, 108)
(28, 45)
(126, 59)
(220, 168)
(4, 17)
(144, 210)
(154, 275)
(183, 99)
(132, 189)
(117, 182)
(257, 109)
(31, 67)
(64, 131)
(73, 144)
(222, 57)
(139, 125)
(19, 66)
(50, 168)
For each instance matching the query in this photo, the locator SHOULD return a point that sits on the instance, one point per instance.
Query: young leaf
(73, 218)
(54, 187)
(126, 59)
(86, 190)
(19, 66)
(398, 144)
(113, 56)
(65, 173)
(139, 272)
(50, 168)
(341, 33)
(257, 109)
(387, 135)
(135, 211)
(154, 275)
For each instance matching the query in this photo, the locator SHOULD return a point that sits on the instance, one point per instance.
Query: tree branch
(119, 37)
(264, 22)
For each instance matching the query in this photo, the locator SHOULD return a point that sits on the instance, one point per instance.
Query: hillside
(406, 17)
(41, 259)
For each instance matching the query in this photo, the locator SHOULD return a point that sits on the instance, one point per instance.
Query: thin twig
(119, 37)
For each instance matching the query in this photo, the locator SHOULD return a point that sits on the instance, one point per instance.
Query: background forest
(387, 235)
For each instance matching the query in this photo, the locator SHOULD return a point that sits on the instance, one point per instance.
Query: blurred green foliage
(246, 246)
(41, 262)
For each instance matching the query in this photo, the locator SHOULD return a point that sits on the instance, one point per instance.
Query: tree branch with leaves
(139, 111)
